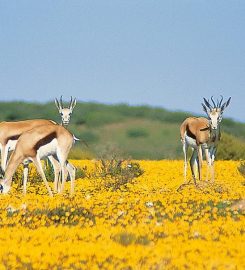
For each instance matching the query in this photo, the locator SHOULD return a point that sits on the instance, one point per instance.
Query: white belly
(190, 142)
(47, 149)
(11, 144)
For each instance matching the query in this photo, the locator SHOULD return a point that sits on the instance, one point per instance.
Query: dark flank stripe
(45, 140)
(190, 134)
(205, 129)
(13, 138)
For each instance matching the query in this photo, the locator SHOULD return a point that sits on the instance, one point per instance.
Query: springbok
(203, 134)
(11, 131)
(36, 144)
(65, 113)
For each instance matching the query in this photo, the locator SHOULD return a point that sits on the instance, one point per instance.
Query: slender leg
(25, 176)
(63, 179)
(194, 164)
(1, 169)
(4, 157)
(209, 164)
(38, 164)
(185, 149)
(212, 163)
(56, 167)
(193, 161)
(72, 172)
(199, 149)
(69, 168)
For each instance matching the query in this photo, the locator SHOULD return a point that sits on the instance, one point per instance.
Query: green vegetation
(140, 132)
(231, 148)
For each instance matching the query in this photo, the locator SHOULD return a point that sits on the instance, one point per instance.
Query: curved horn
(225, 104)
(220, 103)
(74, 102)
(207, 103)
(61, 103)
(57, 103)
(213, 102)
(204, 108)
(70, 104)
(228, 101)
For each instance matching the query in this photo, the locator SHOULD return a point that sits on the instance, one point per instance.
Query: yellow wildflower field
(146, 224)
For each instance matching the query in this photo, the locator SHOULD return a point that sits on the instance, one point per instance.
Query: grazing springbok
(65, 113)
(10, 133)
(203, 134)
(36, 144)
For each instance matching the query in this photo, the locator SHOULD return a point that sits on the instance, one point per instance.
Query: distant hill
(141, 132)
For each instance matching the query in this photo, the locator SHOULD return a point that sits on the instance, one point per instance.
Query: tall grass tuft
(114, 170)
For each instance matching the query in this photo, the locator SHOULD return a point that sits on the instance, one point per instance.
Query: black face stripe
(45, 140)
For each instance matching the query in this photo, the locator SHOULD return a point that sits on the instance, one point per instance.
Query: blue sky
(161, 53)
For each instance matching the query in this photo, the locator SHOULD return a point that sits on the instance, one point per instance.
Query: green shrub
(80, 173)
(230, 147)
(98, 124)
(241, 168)
(126, 239)
(115, 171)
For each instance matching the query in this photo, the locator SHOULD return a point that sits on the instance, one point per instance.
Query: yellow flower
(146, 224)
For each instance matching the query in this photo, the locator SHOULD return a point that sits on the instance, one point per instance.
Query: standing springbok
(203, 134)
(65, 113)
(36, 144)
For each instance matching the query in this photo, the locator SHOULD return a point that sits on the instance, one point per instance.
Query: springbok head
(215, 111)
(65, 112)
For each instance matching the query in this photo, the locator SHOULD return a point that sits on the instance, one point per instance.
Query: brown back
(13, 130)
(30, 141)
(196, 128)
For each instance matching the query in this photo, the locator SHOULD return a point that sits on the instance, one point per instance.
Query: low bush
(114, 170)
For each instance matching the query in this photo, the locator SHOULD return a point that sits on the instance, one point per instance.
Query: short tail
(75, 138)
